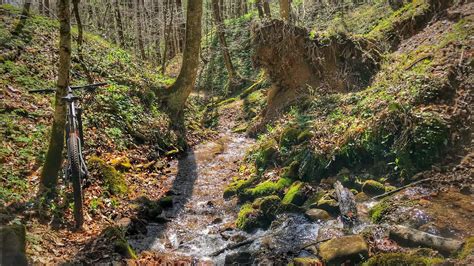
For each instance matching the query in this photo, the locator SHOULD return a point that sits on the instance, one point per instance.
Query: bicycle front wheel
(75, 161)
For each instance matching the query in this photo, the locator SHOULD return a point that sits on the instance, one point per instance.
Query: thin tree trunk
(221, 35)
(266, 8)
(141, 46)
(285, 9)
(184, 84)
(166, 33)
(259, 6)
(80, 40)
(49, 174)
(118, 20)
(40, 7)
(46, 8)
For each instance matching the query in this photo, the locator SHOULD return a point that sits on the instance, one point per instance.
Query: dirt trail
(200, 214)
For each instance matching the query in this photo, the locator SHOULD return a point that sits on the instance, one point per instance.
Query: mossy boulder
(388, 259)
(328, 204)
(381, 209)
(13, 245)
(113, 179)
(149, 210)
(116, 235)
(267, 154)
(166, 202)
(295, 194)
(266, 188)
(291, 171)
(289, 137)
(467, 249)
(258, 214)
(238, 185)
(306, 261)
(373, 188)
(347, 248)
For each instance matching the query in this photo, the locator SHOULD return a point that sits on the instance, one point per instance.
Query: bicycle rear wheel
(75, 168)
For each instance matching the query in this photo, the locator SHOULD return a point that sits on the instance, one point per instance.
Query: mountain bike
(75, 169)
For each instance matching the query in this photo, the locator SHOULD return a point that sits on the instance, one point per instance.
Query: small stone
(317, 215)
(347, 248)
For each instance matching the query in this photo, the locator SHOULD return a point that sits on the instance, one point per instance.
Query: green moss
(401, 259)
(258, 214)
(378, 211)
(289, 137)
(238, 186)
(291, 171)
(328, 204)
(306, 261)
(117, 236)
(114, 180)
(166, 202)
(306, 135)
(468, 248)
(373, 188)
(266, 188)
(266, 154)
(295, 194)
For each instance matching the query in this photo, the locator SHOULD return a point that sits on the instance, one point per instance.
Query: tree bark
(141, 46)
(184, 84)
(285, 9)
(259, 6)
(266, 8)
(80, 40)
(221, 35)
(46, 8)
(118, 21)
(49, 174)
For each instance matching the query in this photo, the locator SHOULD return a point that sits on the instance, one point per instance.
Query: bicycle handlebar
(88, 87)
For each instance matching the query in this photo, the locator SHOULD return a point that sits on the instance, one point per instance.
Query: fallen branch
(413, 237)
(401, 188)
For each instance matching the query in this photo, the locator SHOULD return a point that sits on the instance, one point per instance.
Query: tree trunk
(40, 7)
(46, 8)
(184, 84)
(285, 9)
(52, 165)
(166, 34)
(259, 5)
(221, 35)
(266, 8)
(141, 46)
(80, 40)
(118, 21)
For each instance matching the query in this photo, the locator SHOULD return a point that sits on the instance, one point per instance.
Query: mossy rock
(295, 194)
(267, 154)
(238, 185)
(373, 188)
(266, 188)
(291, 171)
(347, 248)
(116, 235)
(390, 188)
(328, 204)
(389, 259)
(258, 214)
(361, 196)
(13, 245)
(121, 163)
(149, 210)
(306, 261)
(289, 137)
(166, 202)
(381, 209)
(317, 215)
(113, 179)
(467, 249)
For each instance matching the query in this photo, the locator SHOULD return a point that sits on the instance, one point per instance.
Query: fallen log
(412, 237)
(401, 188)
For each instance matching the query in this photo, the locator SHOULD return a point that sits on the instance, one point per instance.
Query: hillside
(346, 140)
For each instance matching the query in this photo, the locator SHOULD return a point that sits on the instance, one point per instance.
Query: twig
(401, 188)
(418, 60)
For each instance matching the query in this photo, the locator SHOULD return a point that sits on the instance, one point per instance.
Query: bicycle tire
(74, 160)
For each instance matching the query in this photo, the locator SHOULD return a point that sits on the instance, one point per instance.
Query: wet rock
(318, 215)
(361, 196)
(239, 258)
(259, 214)
(307, 262)
(347, 248)
(13, 245)
(373, 188)
(328, 204)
